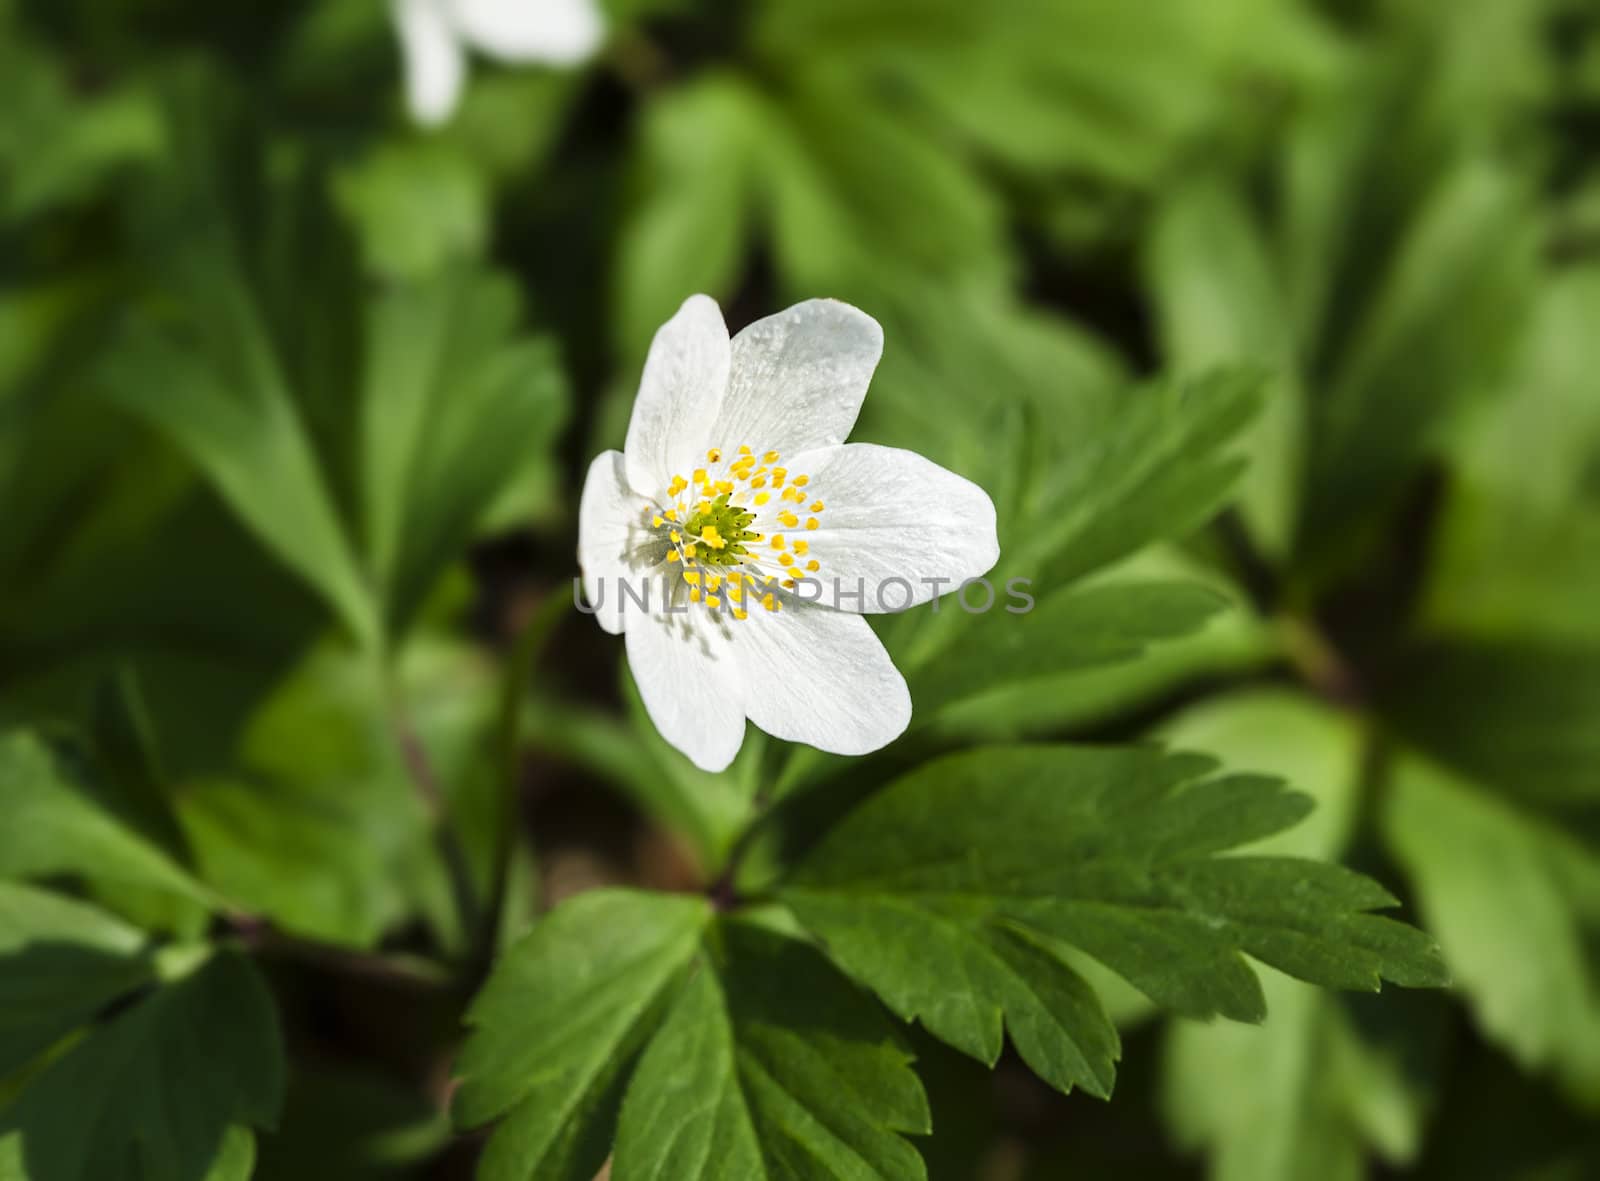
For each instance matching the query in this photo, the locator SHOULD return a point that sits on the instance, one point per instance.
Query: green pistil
(731, 523)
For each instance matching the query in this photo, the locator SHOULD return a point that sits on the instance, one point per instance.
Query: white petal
(559, 31)
(893, 515)
(435, 63)
(614, 547)
(690, 684)
(799, 378)
(685, 380)
(821, 677)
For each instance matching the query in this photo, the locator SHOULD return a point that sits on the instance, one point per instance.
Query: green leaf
(686, 230)
(56, 825)
(416, 206)
(1075, 629)
(836, 210)
(1221, 302)
(770, 1065)
(1436, 338)
(61, 962)
(57, 146)
(1513, 900)
(320, 827)
(1161, 464)
(1112, 851)
(170, 1087)
(1303, 1093)
(455, 407)
(1518, 552)
(209, 379)
(558, 1023)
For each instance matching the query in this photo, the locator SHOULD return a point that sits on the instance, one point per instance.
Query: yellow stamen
(812, 522)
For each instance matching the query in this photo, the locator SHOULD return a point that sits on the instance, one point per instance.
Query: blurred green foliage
(1271, 326)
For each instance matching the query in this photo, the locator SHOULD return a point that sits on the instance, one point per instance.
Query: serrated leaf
(560, 1020)
(61, 961)
(1221, 302)
(1075, 629)
(1161, 464)
(55, 825)
(1303, 1093)
(770, 1065)
(1513, 900)
(1112, 851)
(170, 1087)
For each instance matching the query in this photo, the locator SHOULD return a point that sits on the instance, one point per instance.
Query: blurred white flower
(436, 34)
(757, 535)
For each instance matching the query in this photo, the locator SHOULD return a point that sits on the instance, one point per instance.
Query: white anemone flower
(756, 536)
(436, 34)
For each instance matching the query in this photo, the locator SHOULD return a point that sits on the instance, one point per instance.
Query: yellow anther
(777, 541)
(739, 613)
(800, 547)
(714, 455)
(692, 577)
(818, 506)
(689, 550)
(786, 559)
(801, 481)
(789, 518)
(770, 457)
(770, 601)
(736, 592)
(694, 594)
(780, 474)
(744, 451)
(672, 555)
(711, 537)
(725, 487)
(677, 537)
(678, 485)
(657, 521)
(671, 514)
(759, 482)
(813, 565)
(699, 475)
(763, 497)
(713, 601)
(812, 522)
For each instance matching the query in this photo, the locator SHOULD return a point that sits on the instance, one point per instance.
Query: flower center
(739, 525)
